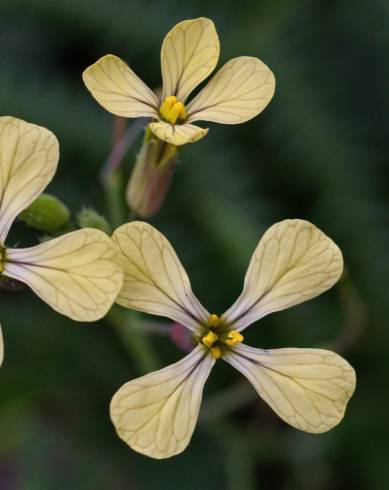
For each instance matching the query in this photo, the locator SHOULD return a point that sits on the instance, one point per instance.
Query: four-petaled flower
(308, 388)
(76, 274)
(239, 91)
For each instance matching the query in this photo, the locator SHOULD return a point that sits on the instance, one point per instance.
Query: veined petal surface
(190, 52)
(157, 413)
(116, 87)
(239, 91)
(293, 262)
(308, 388)
(154, 280)
(28, 160)
(177, 134)
(77, 274)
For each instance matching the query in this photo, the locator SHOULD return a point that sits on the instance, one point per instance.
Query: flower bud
(151, 176)
(181, 337)
(89, 218)
(46, 213)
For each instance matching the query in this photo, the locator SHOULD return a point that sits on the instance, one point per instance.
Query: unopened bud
(89, 218)
(46, 213)
(182, 337)
(151, 176)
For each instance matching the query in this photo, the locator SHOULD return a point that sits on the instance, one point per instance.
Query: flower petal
(157, 413)
(1, 347)
(154, 280)
(239, 91)
(293, 262)
(177, 134)
(76, 274)
(116, 87)
(190, 52)
(28, 160)
(308, 388)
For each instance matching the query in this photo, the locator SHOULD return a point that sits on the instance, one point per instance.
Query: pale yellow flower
(239, 91)
(76, 274)
(308, 388)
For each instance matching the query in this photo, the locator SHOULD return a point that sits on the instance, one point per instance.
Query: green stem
(114, 197)
(238, 456)
(128, 325)
(227, 401)
(356, 315)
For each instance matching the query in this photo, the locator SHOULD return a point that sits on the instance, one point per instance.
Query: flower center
(218, 336)
(172, 110)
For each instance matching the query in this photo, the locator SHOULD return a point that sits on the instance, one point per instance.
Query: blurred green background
(318, 152)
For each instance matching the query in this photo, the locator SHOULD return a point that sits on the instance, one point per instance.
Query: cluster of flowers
(82, 273)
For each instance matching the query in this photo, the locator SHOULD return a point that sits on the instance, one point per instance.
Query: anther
(171, 110)
(233, 338)
(215, 352)
(209, 339)
(213, 320)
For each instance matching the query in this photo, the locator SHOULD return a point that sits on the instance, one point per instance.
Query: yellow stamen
(209, 339)
(171, 110)
(215, 352)
(213, 320)
(167, 104)
(233, 338)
